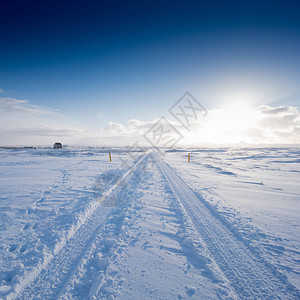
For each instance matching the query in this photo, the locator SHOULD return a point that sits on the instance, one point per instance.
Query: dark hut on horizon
(57, 145)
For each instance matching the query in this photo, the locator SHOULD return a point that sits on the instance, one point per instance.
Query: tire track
(248, 274)
(48, 280)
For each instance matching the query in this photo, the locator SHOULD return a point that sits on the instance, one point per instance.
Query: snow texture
(76, 226)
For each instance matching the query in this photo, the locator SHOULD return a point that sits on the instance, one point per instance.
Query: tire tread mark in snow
(247, 273)
(49, 280)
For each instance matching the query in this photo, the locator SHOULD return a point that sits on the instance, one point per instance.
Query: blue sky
(95, 62)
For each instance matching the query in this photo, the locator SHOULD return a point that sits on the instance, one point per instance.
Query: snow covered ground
(257, 191)
(75, 226)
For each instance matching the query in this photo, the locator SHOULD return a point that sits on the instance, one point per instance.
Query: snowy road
(151, 236)
(50, 279)
(249, 276)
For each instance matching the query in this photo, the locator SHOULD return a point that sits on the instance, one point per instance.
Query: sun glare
(228, 124)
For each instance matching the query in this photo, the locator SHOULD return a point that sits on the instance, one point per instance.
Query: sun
(227, 124)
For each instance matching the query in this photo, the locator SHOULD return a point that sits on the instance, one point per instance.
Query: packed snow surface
(150, 224)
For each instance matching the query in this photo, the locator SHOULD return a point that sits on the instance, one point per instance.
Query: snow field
(74, 226)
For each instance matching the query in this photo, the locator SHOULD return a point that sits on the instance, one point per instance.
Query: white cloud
(280, 124)
(274, 110)
(261, 125)
(25, 124)
(130, 129)
(8, 105)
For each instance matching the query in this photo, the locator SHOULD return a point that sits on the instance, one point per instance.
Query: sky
(105, 72)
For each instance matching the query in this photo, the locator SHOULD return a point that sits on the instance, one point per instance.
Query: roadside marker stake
(189, 157)
(109, 156)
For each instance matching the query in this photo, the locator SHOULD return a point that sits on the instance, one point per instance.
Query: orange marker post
(189, 157)
(109, 156)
